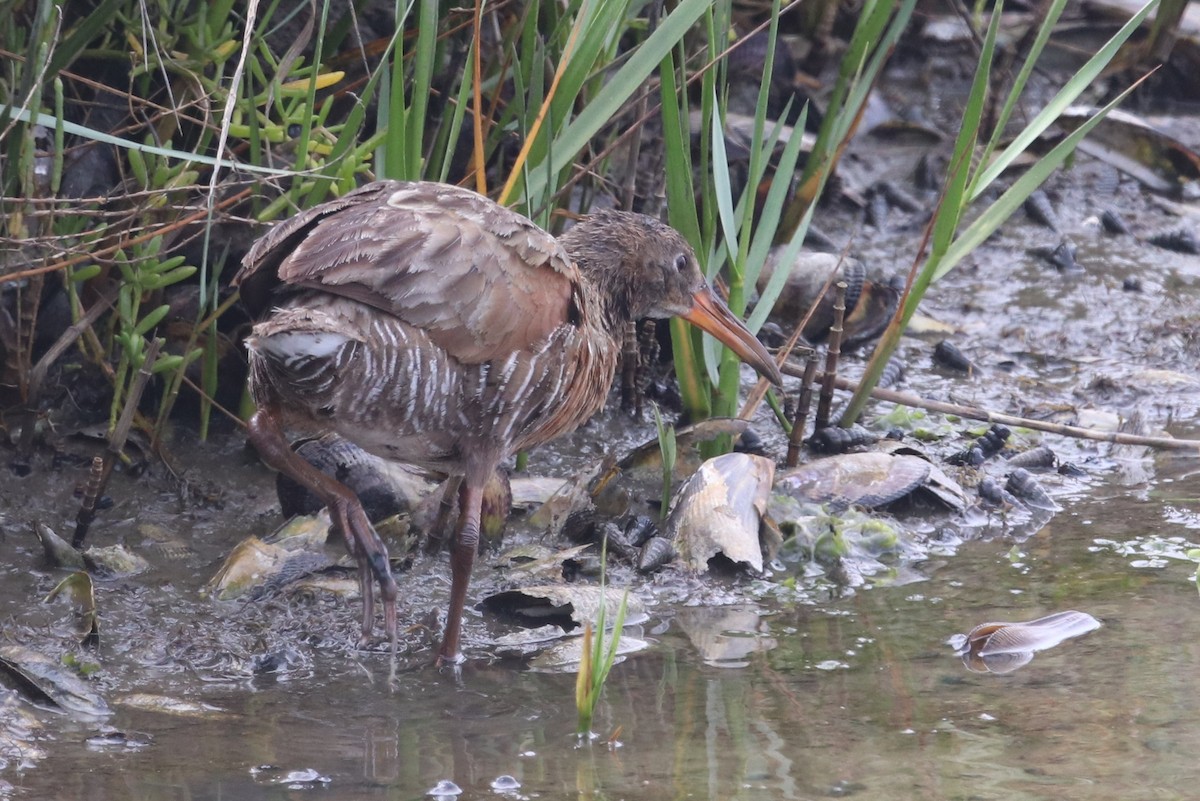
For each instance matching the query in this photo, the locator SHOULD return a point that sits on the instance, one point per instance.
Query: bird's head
(643, 268)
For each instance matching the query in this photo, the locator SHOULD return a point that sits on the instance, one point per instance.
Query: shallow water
(776, 693)
(859, 697)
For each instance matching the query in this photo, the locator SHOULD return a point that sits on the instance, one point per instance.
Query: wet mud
(802, 682)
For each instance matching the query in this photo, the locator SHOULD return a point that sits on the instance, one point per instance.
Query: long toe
(366, 588)
(387, 594)
(389, 620)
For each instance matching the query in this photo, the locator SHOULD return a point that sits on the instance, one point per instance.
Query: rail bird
(432, 326)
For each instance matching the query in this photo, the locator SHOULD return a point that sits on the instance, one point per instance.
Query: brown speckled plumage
(431, 326)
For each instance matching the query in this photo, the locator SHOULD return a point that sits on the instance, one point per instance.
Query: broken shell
(254, 567)
(527, 640)
(718, 511)
(169, 705)
(59, 552)
(114, 561)
(572, 498)
(566, 605)
(43, 677)
(866, 479)
(539, 560)
(567, 654)
(78, 588)
(944, 489)
(532, 491)
(302, 532)
(164, 541)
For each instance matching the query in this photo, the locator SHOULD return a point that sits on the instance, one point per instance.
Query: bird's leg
(462, 559)
(345, 511)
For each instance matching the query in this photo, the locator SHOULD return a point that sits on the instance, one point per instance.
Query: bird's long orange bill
(710, 314)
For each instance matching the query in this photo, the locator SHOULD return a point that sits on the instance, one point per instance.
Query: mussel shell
(1180, 240)
(114, 561)
(384, 487)
(719, 509)
(1023, 485)
(59, 552)
(991, 493)
(947, 354)
(1039, 209)
(656, 553)
(944, 489)
(1113, 222)
(1040, 457)
(567, 605)
(865, 479)
(50, 678)
(255, 567)
(835, 439)
(996, 663)
(869, 303)
(566, 655)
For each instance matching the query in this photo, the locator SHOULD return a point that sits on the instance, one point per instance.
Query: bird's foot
(449, 660)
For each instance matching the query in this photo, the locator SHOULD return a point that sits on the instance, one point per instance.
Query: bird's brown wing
(482, 280)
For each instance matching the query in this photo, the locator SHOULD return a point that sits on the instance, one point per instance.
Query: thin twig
(97, 478)
(975, 413)
(38, 374)
(96, 255)
(803, 401)
(199, 391)
(759, 390)
(116, 444)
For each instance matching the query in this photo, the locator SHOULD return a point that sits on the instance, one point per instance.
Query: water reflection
(783, 699)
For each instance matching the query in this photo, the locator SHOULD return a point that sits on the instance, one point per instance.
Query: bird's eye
(681, 262)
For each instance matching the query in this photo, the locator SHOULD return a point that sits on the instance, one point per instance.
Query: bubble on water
(505, 783)
(444, 789)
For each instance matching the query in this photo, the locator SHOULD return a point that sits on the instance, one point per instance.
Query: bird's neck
(609, 291)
